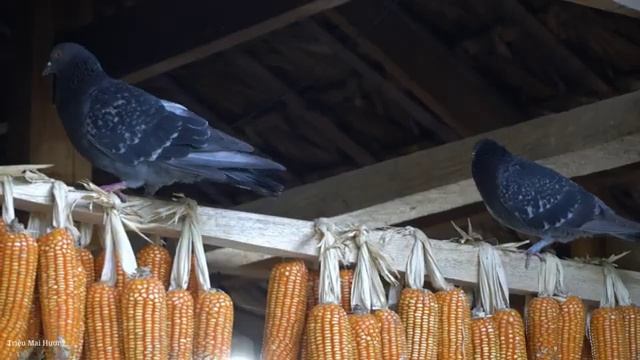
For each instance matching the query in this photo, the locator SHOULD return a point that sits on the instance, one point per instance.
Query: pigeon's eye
(56, 54)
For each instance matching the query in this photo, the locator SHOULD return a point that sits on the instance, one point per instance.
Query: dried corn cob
(394, 340)
(86, 260)
(313, 289)
(543, 328)
(104, 327)
(608, 340)
(18, 267)
(484, 339)
(511, 334)
(346, 282)
(194, 286)
(213, 326)
(329, 334)
(61, 289)
(99, 264)
(366, 336)
(455, 325)
(286, 310)
(631, 320)
(572, 328)
(418, 310)
(158, 260)
(144, 317)
(180, 317)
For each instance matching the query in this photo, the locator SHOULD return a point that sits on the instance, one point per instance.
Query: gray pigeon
(537, 201)
(144, 140)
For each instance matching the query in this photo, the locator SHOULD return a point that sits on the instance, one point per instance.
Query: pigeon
(537, 201)
(143, 140)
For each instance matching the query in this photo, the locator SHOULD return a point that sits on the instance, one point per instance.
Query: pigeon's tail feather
(259, 181)
(614, 225)
(228, 159)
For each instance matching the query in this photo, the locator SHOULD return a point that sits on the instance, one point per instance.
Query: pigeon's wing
(542, 198)
(218, 140)
(130, 125)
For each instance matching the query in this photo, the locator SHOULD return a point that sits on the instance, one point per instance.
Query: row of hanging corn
(313, 316)
(56, 302)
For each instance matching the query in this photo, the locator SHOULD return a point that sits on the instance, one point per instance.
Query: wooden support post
(48, 140)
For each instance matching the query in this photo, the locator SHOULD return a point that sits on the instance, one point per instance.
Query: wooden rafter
(296, 238)
(555, 53)
(623, 7)
(298, 107)
(424, 66)
(151, 38)
(562, 139)
(413, 108)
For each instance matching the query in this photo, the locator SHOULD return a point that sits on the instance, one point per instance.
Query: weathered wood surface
(623, 7)
(284, 237)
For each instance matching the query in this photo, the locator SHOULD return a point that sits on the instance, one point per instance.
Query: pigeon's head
(70, 59)
(487, 148)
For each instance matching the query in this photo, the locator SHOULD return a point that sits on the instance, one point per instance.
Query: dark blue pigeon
(144, 140)
(537, 201)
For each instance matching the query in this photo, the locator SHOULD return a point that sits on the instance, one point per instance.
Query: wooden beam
(295, 238)
(424, 66)
(623, 7)
(158, 36)
(583, 128)
(305, 117)
(413, 108)
(568, 65)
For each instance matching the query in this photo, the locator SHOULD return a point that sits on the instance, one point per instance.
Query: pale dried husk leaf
(367, 290)
(331, 248)
(38, 224)
(422, 261)
(115, 241)
(492, 280)
(86, 234)
(551, 277)
(8, 210)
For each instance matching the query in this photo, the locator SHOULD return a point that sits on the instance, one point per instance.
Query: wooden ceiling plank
(151, 38)
(424, 66)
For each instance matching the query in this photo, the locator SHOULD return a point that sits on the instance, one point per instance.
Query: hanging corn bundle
(571, 319)
(62, 283)
(180, 302)
(157, 258)
(493, 317)
(142, 300)
(377, 335)
(630, 314)
(454, 340)
(18, 267)
(286, 310)
(213, 325)
(328, 331)
(607, 333)
(418, 307)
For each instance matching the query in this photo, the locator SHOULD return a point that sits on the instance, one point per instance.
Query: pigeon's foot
(116, 188)
(535, 249)
(529, 255)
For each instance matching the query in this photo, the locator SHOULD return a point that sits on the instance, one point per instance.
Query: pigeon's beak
(48, 69)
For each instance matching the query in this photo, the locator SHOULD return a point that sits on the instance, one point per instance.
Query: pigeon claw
(531, 253)
(116, 188)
